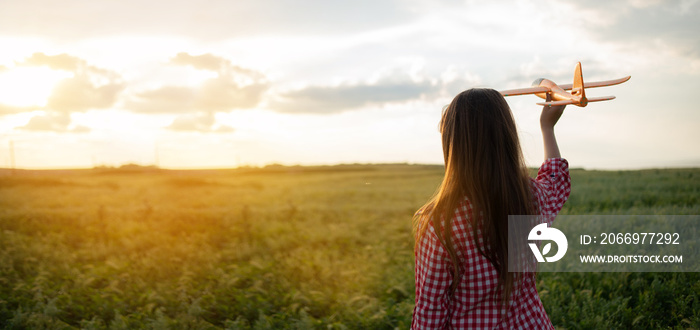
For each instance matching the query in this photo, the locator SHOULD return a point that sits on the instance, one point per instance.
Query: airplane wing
(565, 102)
(523, 91)
(587, 84)
(602, 98)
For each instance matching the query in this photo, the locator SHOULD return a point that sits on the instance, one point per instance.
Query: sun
(26, 87)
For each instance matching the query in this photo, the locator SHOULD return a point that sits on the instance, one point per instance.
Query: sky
(213, 84)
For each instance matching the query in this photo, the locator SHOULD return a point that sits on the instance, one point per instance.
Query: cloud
(57, 62)
(54, 123)
(647, 22)
(234, 87)
(202, 62)
(221, 94)
(213, 63)
(394, 87)
(331, 99)
(80, 94)
(90, 87)
(6, 109)
(168, 99)
(204, 122)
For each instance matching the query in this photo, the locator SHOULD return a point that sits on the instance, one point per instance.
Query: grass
(284, 247)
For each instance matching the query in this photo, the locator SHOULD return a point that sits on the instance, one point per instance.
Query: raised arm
(549, 117)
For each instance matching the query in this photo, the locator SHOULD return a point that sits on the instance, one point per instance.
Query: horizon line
(134, 166)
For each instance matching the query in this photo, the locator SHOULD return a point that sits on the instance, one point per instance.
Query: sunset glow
(186, 86)
(26, 87)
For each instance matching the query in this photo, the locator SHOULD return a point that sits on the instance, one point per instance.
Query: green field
(284, 247)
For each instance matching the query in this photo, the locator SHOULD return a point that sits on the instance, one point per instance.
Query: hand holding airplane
(558, 93)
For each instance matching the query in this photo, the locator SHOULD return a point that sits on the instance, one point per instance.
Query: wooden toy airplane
(559, 95)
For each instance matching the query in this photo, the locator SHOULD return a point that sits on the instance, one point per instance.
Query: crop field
(325, 247)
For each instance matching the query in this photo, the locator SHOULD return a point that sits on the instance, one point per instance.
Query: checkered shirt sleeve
(552, 187)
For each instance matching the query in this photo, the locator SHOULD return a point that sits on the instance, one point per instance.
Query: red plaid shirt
(474, 305)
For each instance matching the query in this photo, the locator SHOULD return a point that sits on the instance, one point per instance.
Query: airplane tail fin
(577, 89)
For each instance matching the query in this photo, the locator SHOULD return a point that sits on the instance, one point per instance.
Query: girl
(463, 282)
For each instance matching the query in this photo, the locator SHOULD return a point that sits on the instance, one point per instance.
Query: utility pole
(155, 155)
(12, 156)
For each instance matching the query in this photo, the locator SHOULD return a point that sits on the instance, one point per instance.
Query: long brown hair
(484, 163)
